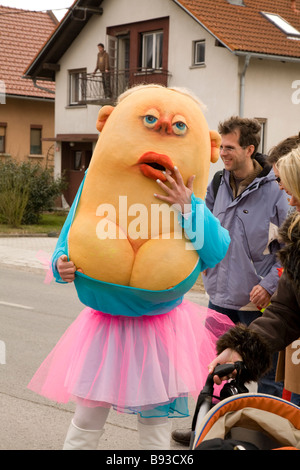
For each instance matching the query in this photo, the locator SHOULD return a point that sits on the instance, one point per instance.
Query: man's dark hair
(249, 131)
(283, 148)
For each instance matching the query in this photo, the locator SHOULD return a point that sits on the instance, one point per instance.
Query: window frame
(263, 134)
(76, 95)
(198, 42)
(282, 24)
(157, 50)
(36, 127)
(3, 125)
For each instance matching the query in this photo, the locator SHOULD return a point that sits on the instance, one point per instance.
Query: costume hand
(260, 297)
(227, 356)
(177, 193)
(66, 268)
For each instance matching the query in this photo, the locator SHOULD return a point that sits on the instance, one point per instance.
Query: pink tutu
(133, 364)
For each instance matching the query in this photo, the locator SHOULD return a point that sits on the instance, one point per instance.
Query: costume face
(115, 236)
(154, 129)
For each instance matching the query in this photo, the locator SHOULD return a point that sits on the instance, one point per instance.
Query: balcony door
(139, 53)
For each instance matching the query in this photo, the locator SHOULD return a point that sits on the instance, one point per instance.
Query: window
(77, 160)
(152, 47)
(199, 52)
(77, 86)
(282, 24)
(2, 92)
(2, 137)
(36, 140)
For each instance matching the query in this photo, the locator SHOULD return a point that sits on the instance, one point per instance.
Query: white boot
(154, 436)
(82, 439)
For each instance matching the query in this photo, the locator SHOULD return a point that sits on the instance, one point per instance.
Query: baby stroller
(240, 420)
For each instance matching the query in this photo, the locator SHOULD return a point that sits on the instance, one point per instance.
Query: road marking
(8, 304)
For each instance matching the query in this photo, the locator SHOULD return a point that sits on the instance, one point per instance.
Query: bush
(26, 190)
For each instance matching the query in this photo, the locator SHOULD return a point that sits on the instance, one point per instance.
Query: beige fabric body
(273, 425)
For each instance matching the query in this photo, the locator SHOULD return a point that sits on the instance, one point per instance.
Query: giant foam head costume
(114, 237)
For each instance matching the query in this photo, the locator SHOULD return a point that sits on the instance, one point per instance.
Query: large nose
(164, 124)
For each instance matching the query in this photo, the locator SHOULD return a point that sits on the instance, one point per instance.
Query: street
(33, 316)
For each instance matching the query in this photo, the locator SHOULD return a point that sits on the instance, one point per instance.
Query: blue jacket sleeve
(209, 238)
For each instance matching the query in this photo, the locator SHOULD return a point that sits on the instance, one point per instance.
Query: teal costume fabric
(209, 238)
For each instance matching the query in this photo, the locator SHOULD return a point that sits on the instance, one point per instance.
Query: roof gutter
(60, 26)
(248, 56)
(52, 38)
(257, 55)
(42, 87)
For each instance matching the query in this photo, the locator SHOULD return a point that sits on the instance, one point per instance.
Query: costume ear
(103, 115)
(215, 139)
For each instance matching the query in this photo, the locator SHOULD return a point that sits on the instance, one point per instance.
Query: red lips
(152, 164)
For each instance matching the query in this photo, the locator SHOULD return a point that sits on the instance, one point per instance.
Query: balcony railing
(104, 88)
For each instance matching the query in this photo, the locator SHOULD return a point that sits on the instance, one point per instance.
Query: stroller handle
(221, 370)
(204, 402)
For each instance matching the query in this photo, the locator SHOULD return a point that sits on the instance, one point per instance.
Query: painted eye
(179, 128)
(150, 121)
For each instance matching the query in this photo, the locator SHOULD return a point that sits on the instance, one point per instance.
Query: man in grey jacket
(249, 204)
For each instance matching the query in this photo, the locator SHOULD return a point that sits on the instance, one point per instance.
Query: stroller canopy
(264, 420)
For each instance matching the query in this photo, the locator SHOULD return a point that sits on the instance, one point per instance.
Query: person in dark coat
(279, 325)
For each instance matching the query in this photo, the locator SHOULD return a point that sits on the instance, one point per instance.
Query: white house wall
(269, 94)
(203, 81)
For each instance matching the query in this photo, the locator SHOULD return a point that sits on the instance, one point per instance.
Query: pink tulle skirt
(132, 364)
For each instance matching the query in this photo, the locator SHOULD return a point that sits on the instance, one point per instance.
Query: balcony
(104, 88)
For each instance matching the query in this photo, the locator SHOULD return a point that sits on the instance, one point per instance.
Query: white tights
(88, 426)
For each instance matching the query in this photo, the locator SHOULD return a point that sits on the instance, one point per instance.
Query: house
(240, 57)
(26, 109)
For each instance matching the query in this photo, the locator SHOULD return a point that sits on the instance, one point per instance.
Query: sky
(58, 6)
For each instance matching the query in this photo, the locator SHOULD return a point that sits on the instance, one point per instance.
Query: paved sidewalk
(34, 254)
(31, 253)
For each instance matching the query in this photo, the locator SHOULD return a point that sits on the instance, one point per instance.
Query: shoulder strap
(216, 181)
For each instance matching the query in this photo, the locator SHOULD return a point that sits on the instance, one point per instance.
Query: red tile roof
(22, 34)
(240, 28)
(244, 29)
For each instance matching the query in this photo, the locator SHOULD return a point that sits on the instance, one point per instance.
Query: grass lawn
(50, 223)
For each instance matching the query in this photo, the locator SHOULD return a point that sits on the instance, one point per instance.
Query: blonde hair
(289, 170)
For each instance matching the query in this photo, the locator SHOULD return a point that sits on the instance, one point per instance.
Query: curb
(30, 235)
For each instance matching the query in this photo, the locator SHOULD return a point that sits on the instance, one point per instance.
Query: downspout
(41, 87)
(242, 85)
